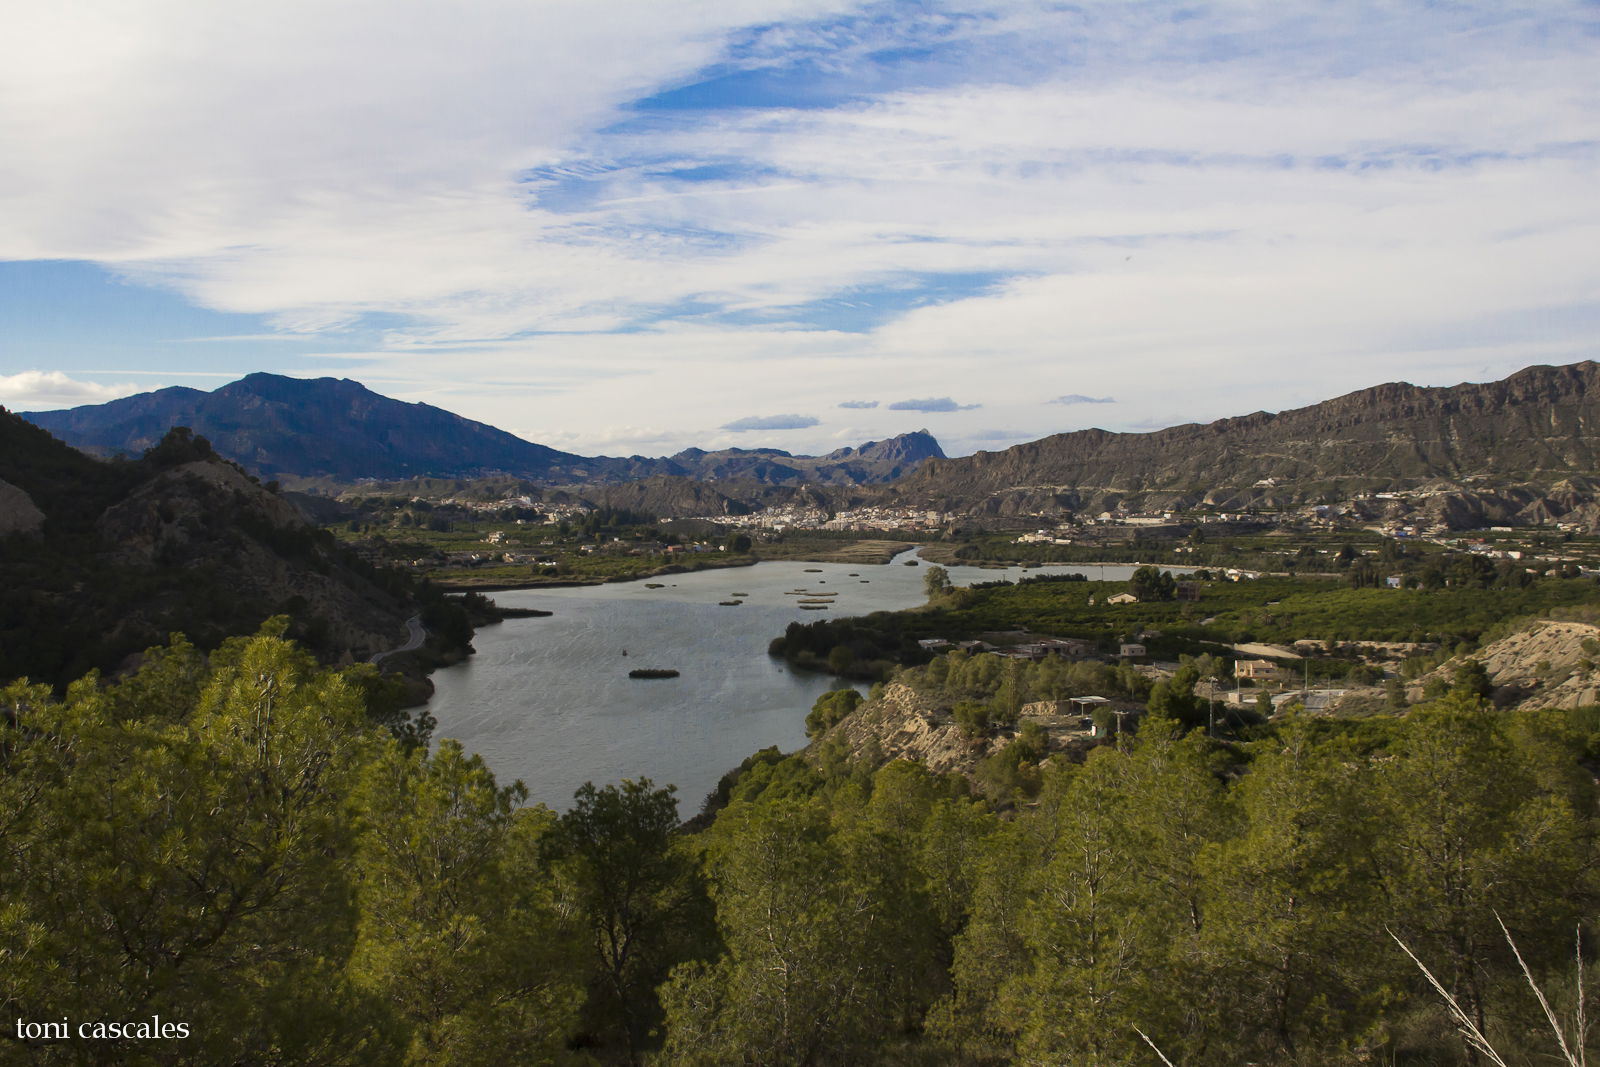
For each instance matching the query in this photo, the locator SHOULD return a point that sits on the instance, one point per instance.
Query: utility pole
(1121, 744)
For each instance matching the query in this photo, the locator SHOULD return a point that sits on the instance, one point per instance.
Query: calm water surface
(549, 700)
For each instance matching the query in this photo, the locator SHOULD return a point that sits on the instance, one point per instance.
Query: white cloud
(298, 129)
(936, 403)
(607, 440)
(39, 390)
(772, 422)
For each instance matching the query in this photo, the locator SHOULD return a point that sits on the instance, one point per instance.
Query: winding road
(415, 635)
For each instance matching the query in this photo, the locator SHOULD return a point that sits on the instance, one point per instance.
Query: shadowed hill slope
(124, 552)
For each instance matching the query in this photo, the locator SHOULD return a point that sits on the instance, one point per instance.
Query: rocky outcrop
(882, 461)
(18, 512)
(902, 725)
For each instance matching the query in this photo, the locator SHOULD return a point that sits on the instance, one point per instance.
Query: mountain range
(1534, 435)
(339, 430)
(1524, 449)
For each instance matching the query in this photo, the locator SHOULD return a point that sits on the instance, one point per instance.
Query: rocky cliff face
(1539, 427)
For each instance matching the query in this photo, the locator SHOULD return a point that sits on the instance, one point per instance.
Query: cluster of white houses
(797, 517)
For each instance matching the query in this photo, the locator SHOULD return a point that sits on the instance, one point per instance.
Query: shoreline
(573, 583)
(457, 585)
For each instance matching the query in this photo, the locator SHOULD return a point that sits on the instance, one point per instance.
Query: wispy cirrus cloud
(1079, 398)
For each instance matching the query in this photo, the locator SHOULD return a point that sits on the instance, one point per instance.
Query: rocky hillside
(901, 725)
(1538, 429)
(1548, 664)
(659, 495)
(120, 554)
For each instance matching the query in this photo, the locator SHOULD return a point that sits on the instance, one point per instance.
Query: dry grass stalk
(1464, 1023)
(1549, 1012)
(1583, 1018)
(1152, 1044)
(1474, 1036)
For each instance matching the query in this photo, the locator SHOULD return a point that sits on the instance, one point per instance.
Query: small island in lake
(651, 672)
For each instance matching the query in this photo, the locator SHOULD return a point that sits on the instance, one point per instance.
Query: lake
(549, 700)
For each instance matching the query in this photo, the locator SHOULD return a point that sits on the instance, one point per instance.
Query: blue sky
(630, 227)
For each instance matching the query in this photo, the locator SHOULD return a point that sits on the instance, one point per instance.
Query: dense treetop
(232, 841)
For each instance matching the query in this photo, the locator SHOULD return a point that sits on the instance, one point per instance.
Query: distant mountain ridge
(340, 430)
(323, 427)
(875, 461)
(1539, 427)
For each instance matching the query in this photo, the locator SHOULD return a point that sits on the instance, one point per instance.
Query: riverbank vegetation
(1291, 548)
(1211, 610)
(834, 548)
(467, 548)
(464, 548)
(233, 841)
